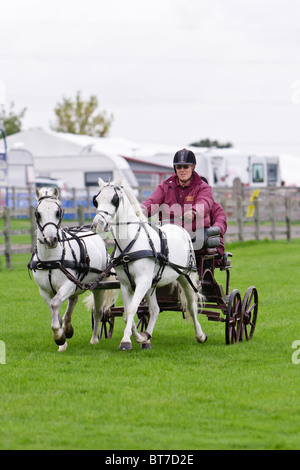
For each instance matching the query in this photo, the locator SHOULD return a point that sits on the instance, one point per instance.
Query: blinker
(95, 201)
(115, 200)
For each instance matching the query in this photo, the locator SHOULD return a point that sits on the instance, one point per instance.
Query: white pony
(139, 262)
(82, 256)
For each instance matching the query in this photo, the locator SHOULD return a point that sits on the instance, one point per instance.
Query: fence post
(288, 217)
(74, 190)
(239, 201)
(14, 200)
(7, 236)
(256, 218)
(81, 214)
(88, 201)
(273, 217)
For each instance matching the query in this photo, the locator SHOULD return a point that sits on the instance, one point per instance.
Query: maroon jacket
(173, 201)
(218, 219)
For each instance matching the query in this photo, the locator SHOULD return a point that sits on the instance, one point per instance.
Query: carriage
(148, 260)
(238, 314)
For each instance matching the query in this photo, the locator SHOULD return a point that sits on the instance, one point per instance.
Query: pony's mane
(134, 202)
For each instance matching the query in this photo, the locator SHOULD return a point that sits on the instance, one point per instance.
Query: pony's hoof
(69, 332)
(146, 336)
(125, 346)
(202, 341)
(63, 347)
(146, 346)
(94, 341)
(60, 341)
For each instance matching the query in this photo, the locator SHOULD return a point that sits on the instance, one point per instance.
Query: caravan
(225, 165)
(77, 159)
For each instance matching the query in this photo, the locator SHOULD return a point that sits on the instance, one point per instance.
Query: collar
(174, 182)
(189, 182)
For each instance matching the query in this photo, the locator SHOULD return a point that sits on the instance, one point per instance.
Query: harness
(161, 257)
(81, 265)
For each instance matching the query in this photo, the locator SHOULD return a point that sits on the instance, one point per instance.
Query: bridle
(56, 225)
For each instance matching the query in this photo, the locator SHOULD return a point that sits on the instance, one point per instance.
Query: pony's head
(107, 203)
(48, 214)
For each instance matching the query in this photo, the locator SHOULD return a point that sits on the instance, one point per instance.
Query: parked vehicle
(226, 165)
(64, 190)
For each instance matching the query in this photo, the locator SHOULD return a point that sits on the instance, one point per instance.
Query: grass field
(179, 395)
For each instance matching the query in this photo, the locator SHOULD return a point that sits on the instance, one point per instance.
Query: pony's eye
(57, 214)
(38, 216)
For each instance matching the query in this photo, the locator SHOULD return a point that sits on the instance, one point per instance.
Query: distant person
(218, 219)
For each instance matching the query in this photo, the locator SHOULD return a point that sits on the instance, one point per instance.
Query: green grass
(178, 395)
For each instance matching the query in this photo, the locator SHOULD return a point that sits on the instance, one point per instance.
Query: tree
(11, 121)
(80, 117)
(212, 143)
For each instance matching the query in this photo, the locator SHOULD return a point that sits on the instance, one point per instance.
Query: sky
(170, 71)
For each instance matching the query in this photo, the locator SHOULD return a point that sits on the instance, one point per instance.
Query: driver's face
(184, 172)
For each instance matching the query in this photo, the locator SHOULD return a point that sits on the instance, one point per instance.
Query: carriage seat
(212, 237)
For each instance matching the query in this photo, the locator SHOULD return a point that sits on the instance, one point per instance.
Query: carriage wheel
(107, 319)
(234, 318)
(249, 311)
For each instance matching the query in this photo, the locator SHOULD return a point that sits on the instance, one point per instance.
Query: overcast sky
(171, 71)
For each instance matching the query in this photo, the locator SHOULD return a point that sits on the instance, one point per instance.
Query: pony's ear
(101, 182)
(118, 182)
(37, 193)
(56, 192)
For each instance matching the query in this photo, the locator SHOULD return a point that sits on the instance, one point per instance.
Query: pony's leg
(97, 314)
(127, 296)
(63, 294)
(153, 315)
(67, 325)
(192, 307)
(131, 302)
(47, 298)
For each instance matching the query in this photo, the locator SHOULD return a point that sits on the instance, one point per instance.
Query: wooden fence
(8, 249)
(270, 213)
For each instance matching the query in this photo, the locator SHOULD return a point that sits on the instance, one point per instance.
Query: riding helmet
(184, 157)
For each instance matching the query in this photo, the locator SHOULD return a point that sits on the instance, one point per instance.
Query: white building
(77, 159)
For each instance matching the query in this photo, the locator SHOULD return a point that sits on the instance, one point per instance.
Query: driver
(184, 198)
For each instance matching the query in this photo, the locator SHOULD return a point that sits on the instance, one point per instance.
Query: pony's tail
(110, 297)
(199, 297)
